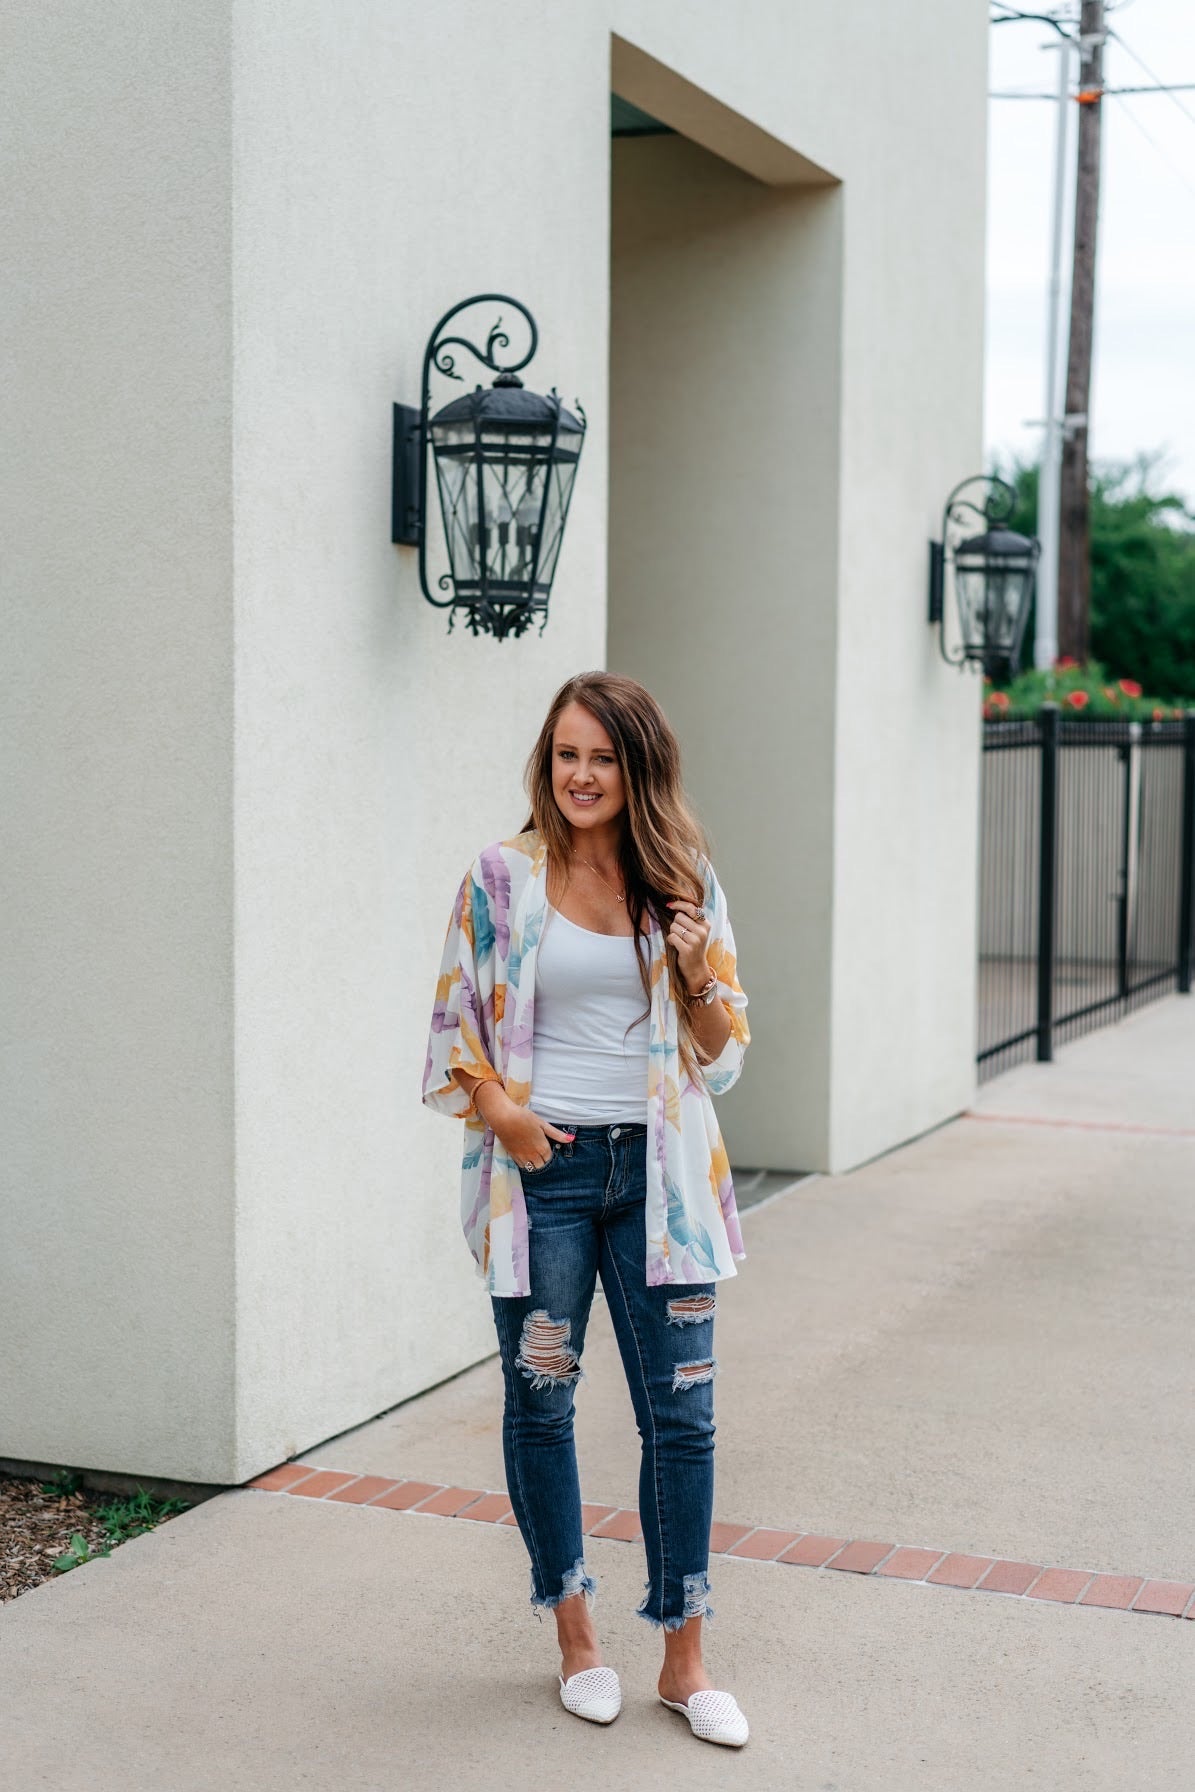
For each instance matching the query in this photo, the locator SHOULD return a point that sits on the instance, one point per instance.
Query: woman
(587, 1008)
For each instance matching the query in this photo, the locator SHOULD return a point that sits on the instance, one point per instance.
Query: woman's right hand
(521, 1130)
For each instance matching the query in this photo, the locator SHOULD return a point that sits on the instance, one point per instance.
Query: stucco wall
(831, 338)
(117, 1254)
(908, 728)
(724, 406)
(249, 764)
(376, 753)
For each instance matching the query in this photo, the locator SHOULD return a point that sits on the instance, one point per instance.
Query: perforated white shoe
(714, 1716)
(593, 1694)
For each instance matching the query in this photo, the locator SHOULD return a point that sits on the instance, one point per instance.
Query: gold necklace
(598, 874)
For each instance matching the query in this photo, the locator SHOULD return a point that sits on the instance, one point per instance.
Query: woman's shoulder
(501, 860)
(528, 843)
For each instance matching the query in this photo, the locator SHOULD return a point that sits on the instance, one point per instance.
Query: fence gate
(1086, 869)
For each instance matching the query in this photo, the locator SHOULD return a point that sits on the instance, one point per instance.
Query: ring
(529, 1165)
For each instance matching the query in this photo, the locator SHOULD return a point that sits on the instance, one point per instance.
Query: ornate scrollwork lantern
(506, 462)
(994, 574)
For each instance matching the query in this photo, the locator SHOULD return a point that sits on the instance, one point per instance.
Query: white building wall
(381, 173)
(724, 405)
(250, 766)
(908, 728)
(847, 800)
(117, 1146)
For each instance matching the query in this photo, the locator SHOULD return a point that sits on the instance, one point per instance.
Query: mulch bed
(36, 1527)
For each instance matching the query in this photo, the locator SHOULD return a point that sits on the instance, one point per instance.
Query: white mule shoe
(714, 1716)
(594, 1694)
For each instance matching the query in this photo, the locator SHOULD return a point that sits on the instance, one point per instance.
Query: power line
(1157, 148)
(1185, 110)
(1064, 497)
(1176, 87)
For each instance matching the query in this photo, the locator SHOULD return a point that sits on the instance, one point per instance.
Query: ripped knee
(545, 1356)
(691, 1375)
(690, 1309)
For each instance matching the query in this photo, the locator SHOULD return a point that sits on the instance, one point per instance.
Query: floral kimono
(483, 1022)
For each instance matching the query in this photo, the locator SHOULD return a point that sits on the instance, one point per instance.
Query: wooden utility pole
(1074, 548)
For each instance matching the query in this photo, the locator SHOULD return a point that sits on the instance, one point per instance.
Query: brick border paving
(759, 1543)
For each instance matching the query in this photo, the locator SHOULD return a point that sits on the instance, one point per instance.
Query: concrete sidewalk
(977, 1344)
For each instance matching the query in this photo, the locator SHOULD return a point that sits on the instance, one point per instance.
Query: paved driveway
(973, 1354)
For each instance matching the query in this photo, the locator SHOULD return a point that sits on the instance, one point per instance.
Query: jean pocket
(538, 1169)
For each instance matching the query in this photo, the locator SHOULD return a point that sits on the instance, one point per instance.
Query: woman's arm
(704, 942)
(459, 1036)
(710, 1022)
(521, 1130)
(690, 934)
(487, 1105)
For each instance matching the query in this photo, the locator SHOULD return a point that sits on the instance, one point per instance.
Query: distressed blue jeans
(585, 1212)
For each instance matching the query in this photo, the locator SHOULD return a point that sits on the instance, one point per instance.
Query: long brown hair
(661, 835)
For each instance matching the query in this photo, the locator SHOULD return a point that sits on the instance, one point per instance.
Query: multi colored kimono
(483, 1023)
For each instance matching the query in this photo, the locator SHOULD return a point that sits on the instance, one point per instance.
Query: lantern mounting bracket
(997, 505)
(408, 516)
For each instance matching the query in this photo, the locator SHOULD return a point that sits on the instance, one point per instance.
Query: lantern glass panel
(993, 580)
(1005, 589)
(970, 578)
(513, 475)
(561, 477)
(455, 469)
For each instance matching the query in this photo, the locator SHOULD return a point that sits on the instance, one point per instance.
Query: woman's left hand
(690, 933)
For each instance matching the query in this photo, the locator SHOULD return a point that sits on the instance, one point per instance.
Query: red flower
(1130, 687)
(1159, 713)
(1062, 664)
(1077, 699)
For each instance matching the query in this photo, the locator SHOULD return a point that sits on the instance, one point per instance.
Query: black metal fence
(1086, 868)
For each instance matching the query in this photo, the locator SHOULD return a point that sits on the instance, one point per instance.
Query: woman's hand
(690, 934)
(527, 1137)
(521, 1131)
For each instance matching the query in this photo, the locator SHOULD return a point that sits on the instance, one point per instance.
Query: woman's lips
(586, 798)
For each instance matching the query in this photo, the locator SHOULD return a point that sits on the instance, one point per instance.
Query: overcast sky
(1143, 386)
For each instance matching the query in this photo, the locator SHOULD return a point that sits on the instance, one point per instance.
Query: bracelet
(707, 992)
(477, 1088)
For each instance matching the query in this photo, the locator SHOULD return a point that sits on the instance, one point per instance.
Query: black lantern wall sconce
(994, 574)
(506, 462)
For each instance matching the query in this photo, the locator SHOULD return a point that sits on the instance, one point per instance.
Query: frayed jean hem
(697, 1604)
(575, 1581)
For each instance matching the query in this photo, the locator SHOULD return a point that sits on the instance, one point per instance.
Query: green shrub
(1142, 580)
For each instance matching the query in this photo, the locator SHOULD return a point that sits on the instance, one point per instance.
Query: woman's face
(586, 780)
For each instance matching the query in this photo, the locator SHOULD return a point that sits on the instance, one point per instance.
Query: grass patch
(121, 1517)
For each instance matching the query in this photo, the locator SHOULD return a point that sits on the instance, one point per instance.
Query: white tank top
(585, 1065)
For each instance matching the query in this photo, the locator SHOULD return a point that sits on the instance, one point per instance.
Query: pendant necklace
(598, 874)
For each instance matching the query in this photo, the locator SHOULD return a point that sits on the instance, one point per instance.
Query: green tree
(1142, 574)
